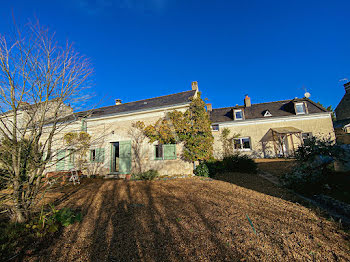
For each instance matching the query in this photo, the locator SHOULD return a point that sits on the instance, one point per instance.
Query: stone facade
(258, 131)
(111, 129)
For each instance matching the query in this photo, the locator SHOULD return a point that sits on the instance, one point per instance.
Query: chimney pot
(118, 101)
(247, 101)
(209, 108)
(194, 85)
(347, 87)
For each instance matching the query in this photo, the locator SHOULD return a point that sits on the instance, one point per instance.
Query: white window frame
(267, 113)
(215, 130)
(241, 143)
(234, 114)
(347, 129)
(304, 107)
(309, 133)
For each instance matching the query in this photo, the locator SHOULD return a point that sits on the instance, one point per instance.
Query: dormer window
(238, 114)
(267, 113)
(300, 108)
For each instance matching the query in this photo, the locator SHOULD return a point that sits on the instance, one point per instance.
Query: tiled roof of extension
(146, 104)
(257, 111)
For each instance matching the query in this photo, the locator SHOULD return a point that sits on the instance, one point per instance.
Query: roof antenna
(306, 94)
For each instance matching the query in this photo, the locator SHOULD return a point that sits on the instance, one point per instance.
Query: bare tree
(41, 83)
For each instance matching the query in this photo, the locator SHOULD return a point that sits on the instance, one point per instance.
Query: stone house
(115, 150)
(342, 111)
(272, 129)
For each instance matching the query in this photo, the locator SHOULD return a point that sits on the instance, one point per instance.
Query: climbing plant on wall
(192, 128)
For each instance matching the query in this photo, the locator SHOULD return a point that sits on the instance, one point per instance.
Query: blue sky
(140, 49)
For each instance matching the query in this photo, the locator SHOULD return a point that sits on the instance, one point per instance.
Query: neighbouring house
(342, 123)
(273, 129)
(113, 145)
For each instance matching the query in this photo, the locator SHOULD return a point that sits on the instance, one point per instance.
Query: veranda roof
(286, 130)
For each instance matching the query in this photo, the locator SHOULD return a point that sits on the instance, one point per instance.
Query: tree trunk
(18, 214)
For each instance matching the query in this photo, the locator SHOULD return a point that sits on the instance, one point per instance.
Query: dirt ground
(191, 219)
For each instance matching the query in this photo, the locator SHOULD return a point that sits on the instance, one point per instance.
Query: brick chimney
(209, 108)
(347, 87)
(247, 102)
(118, 102)
(195, 85)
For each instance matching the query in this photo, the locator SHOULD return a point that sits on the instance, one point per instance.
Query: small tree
(192, 128)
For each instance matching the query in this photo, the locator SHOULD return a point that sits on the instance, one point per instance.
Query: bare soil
(192, 219)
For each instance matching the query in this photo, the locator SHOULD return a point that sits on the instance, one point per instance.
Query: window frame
(304, 108)
(242, 144)
(162, 152)
(234, 114)
(306, 133)
(216, 125)
(163, 157)
(96, 155)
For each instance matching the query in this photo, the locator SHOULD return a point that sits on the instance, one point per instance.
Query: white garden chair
(74, 176)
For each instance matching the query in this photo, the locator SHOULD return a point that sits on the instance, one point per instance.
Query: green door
(61, 161)
(124, 157)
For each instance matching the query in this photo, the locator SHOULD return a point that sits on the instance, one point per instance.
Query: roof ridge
(256, 104)
(143, 99)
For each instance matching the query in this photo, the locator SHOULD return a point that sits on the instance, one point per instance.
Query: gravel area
(191, 219)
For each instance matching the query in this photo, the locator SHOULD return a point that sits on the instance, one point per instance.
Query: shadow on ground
(190, 220)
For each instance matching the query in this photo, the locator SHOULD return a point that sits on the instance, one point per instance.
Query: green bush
(313, 173)
(202, 170)
(148, 175)
(305, 179)
(239, 163)
(233, 163)
(314, 148)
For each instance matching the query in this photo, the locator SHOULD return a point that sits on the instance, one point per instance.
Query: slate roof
(343, 109)
(341, 123)
(257, 111)
(141, 105)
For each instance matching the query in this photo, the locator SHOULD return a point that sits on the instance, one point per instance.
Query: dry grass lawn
(191, 219)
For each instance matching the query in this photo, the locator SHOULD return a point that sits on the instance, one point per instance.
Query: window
(238, 114)
(215, 127)
(242, 143)
(159, 151)
(267, 113)
(306, 136)
(83, 125)
(97, 155)
(347, 129)
(300, 108)
(165, 152)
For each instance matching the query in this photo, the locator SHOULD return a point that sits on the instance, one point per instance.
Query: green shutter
(70, 159)
(169, 151)
(61, 161)
(124, 157)
(100, 155)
